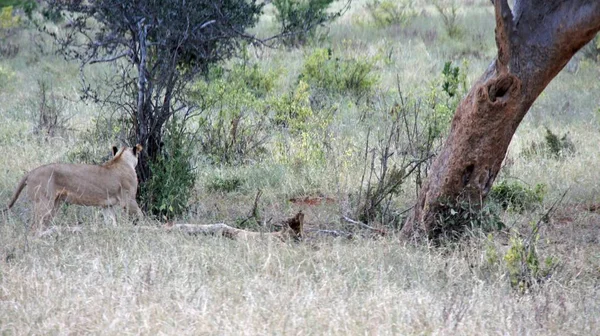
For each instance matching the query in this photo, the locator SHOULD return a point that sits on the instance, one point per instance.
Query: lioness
(112, 183)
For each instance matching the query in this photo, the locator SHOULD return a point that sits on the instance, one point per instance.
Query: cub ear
(115, 150)
(137, 149)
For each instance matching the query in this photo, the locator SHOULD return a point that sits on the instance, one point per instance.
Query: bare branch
(110, 59)
(363, 225)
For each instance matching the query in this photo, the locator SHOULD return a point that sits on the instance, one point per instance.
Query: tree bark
(535, 41)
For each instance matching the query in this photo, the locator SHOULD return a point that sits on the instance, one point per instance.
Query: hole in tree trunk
(499, 88)
(466, 177)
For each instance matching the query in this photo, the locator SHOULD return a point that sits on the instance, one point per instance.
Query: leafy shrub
(234, 125)
(7, 20)
(523, 263)
(339, 75)
(516, 196)
(299, 19)
(448, 10)
(388, 12)
(553, 146)
(293, 111)
(304, 130)
(224, 184)
(8, 25)
(167, 192)
(454, 218)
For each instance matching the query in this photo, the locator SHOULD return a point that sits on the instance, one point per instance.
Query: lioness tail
(20, 187)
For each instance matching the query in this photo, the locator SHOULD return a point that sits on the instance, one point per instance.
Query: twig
(334, 233)
(363, 225)
(544, 219)
(254, 212)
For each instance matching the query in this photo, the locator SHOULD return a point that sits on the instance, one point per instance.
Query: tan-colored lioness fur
(113, 183)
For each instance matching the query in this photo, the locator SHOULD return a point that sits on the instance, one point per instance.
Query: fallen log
(293, 230)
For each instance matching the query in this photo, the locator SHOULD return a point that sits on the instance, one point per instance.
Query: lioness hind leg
(44, 211)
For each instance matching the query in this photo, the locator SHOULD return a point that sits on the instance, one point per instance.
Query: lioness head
(127, 154)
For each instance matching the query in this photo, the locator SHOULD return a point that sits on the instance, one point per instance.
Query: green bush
(303, 130)
(553, 146)
(454, 218)
(293, 111)
(389, 12)
(334, 74)
(516, 196)
(224, 184)
(299, 19)
(7, 19)
(523, 264)
(8, 26)
(166, 194)
(234, 126)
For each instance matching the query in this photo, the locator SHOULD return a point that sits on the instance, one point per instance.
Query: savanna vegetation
(340, 116)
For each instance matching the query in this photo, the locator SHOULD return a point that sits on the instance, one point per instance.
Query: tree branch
(504, 34)
(110, 59)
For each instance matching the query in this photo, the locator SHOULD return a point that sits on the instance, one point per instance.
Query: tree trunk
(535, 41)
(144, 112)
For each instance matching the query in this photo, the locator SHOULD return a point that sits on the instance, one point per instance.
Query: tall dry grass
(129, 280)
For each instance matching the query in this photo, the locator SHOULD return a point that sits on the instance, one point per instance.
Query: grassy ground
(130, 280)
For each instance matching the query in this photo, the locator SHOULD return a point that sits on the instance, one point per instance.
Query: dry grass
(129, 280)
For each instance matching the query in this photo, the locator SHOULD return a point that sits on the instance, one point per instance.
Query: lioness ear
(138, 148)
(115, 150)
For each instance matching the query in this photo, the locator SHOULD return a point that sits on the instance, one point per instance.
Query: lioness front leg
(133, 210)
(109, 214)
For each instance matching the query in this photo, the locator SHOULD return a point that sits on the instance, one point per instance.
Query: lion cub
(110, 184)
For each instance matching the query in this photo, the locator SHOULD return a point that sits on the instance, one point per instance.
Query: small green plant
(304, 131)
(391, 13)
(299, 19)
(524, 266)
(451, 79)
(448, 10)
(516, 196)
(6, 76)
(453, 85)
(339, 75)
(558, 146)
(167, 192)
(592, 49)
(224, 184)
(553, 146)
